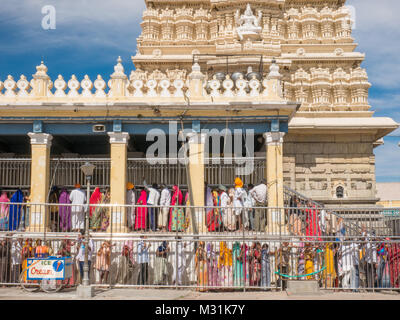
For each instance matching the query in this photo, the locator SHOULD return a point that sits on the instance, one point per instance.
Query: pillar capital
(40, 138)
(198, 138)
(274, 138)
(119, 137)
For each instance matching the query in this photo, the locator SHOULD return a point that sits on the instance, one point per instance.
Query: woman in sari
(124, 266)
(141, 212)
(65, 211)
(65, 251)
(237, 265)
(229, 217)
(212, 266)
(330, 272)
(160, 265)
(177, 215)
(201, 267)
(103, 260)
(95, 199)
(100, 217)
(4, 208)
(209, 210)
(14, 217)
(265, 267)
(309, 261)
(312, 222)
(255, 265)
(225, 265)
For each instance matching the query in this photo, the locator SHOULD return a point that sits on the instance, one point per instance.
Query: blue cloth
(15, 210)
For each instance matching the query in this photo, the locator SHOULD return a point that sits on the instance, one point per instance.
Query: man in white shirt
(78, 201)
(152, 200)
(130, 201)
(224, 198)
(165, 202)
(80, 257)
(259, 195)
(143, 261)
(249, 211)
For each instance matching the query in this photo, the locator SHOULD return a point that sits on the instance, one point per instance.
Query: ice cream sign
(50, 268)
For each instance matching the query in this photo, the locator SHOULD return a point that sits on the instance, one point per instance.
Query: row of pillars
(40, 174)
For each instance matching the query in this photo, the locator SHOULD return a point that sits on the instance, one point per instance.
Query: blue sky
(91, 34)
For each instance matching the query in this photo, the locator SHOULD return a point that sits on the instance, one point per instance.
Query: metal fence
(15, 173)
(229, 221)
(358, 264)
(66, 172)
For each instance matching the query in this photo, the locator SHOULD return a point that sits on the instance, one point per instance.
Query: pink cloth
(141, 212)
(4, 205)
(312, 222)
(176, 199)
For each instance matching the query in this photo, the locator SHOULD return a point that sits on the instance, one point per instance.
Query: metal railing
(65, 172)
(368, 263)
(210, 221)
(15, 173)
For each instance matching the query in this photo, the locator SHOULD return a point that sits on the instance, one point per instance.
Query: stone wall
(315, 165)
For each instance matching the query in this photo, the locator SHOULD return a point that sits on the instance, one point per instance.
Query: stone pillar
(118, 180)
(40, 179)
(274, 176)
(196, 172)
(196, 81)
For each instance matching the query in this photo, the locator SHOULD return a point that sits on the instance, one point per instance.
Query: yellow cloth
(225, 255)
(309, 268)
(238, 183)
(330, 261)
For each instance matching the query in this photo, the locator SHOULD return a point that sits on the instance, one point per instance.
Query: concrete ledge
(302, 287)
(85, 292)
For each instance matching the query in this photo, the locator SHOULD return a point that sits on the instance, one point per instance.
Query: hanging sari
(265, 268)
(141, 212)
(225, 265)
(312, 223)
(394, 264)
(177, 215)
(201, 267)
(15, 210)
(65, 211)
(4, 210)
(237, 265)
(309, 263)
(212, 266)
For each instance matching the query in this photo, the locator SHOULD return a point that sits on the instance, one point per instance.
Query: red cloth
(177, 198)
(95, 199)
(213, 217)
(141, 212)
(312, 223)
(394, 264)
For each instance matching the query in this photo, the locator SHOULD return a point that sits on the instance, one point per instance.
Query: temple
(282, 73)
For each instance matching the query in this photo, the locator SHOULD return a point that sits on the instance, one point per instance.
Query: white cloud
(387, 157)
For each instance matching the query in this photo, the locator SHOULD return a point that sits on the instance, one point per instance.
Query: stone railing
(172, 86)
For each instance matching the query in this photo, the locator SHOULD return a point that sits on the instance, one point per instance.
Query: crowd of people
(150, 208)
(365, 262)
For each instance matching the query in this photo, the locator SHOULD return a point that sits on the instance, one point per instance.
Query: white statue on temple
(247, 24)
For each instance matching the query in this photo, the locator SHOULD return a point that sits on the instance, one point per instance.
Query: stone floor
(14, 293)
